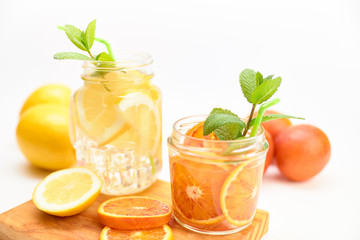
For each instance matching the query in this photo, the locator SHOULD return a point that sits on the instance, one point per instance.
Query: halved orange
(239, 194)
(160, 233)
(196, 189)
(134, 213)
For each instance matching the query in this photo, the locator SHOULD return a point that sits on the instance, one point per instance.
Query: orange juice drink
(215, 184)
(116, 123)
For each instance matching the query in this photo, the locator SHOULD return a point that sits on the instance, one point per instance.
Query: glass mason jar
(214, 184)
(116, 123)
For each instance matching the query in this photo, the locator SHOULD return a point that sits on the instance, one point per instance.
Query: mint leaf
(259, 78)
(219, 118)
(71, 55)
(104, 57)
(273, 117)
(75, 36)
(268, 78)
(90, 34)
(248, 83)
(264, 91)
(229, 131)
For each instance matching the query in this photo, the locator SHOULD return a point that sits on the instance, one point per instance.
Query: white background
(199, 48)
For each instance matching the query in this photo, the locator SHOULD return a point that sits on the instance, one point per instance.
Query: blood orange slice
(239, 193)
(160, 233)
(134, 213)
(196, 189)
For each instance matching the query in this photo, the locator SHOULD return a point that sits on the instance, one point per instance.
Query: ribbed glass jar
(116, 123)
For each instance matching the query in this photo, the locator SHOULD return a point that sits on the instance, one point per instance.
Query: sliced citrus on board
(140, 112)
(159, 233)
(239, 193)
(98, 113)
(196, 189)
(134, 213)
(67, 192)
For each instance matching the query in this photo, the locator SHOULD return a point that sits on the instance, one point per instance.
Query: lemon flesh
(67, 192)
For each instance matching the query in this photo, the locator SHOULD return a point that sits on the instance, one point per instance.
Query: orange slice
(134, 213)
(197, 132)
(239, 193)
(160, 233)
(196, 189)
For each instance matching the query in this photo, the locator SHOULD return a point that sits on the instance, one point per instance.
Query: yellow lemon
(51, 94)
(67, 192)
(43, 136)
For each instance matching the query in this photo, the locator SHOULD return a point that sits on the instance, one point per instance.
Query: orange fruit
(134, 213)
(302, 151)
(160, 233)
(275, 127)
(239, 193)
(196, 189)
(270, 153)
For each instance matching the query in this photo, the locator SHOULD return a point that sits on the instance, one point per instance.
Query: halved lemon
(239, 193)
(159, 233)
(67, 192)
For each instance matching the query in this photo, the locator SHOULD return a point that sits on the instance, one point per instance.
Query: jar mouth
(125, 60)
(212, 148)
(185, 123)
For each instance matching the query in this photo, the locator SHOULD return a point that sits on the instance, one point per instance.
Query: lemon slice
(98, 114)
(67, 192)
(141, 113)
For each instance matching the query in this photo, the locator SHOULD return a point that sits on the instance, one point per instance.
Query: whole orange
(270, 153)
(302, 151)
(275, 126)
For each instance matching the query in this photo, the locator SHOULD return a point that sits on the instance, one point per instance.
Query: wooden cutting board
(26, 222)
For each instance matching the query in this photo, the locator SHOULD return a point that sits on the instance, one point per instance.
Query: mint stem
(249, 120)
(108, 47)
(260, 115)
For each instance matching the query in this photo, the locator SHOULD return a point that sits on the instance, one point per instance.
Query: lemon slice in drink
(98, 114)
(140, 112)
(67, 192)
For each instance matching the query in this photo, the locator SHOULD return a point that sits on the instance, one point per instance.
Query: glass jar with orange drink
(116, 123)
(215, 184)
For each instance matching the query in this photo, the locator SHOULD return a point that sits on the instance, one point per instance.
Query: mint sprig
(84, 41)
(257, 90)
(225, 124)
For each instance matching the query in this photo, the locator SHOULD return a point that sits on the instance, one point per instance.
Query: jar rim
(233, 150)
(259, 134)
(126, 60)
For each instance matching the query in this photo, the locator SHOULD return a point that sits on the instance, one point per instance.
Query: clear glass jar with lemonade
(116, 123)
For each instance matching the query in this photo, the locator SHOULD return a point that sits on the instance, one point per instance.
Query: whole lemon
(51, 94)
(43, 136)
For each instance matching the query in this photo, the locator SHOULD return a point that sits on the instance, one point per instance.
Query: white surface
(199, 48)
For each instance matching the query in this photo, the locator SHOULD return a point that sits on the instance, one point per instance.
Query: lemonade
(116, 123)
(213, 191)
